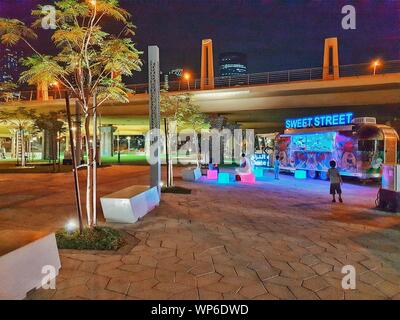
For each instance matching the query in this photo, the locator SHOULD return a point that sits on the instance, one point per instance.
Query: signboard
(261, 160)
(338, 119)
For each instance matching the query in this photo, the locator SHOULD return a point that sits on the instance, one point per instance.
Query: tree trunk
(95, 156)
(52, 150)
(74, 164)
(167, 151)
(171, 168)
(78, 133)
(89, 160)
(23, 161)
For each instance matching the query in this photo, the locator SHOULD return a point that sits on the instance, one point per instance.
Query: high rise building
(172, 76)
(232, 63)
(175, 75)
(10, 67)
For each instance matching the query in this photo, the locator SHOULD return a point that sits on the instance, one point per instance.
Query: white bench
(24, 260)
(191, 174)
(130, 204)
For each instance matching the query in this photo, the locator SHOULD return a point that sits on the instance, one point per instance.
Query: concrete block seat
(130, 204)
(191, 174)
(212, 174)
(226, 177)
(25, 257)
(247, 177)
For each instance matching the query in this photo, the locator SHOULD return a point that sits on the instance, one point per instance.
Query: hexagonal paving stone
(252, 291)
(322, 268)
(331, 293)
(186, 295)
(303, 293)
(370, 277)
(388, 288)
(222, 287)
(280, 292)
(120, 285)
(150, 294)
(172, 287)
(283, 281)
(315, 283)
(209, 295)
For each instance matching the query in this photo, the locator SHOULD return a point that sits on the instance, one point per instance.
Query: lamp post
(118, 148)
(129, 143)
(56, 85)
(186, 76)
(375, 65)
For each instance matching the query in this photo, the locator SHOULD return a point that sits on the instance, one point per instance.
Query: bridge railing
(264, 78)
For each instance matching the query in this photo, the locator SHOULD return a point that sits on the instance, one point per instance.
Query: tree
(20, 120)
(181, 110)
(6, 91)
(41, 71)
(90, 64)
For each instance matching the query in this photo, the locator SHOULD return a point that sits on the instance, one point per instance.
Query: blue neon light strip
(338, 119)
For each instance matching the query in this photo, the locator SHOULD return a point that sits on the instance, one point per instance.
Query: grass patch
(97, 238)
(176, 190)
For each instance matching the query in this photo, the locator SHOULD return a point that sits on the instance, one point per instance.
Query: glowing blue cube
(300, 174)
(224, 178)
(259, 172)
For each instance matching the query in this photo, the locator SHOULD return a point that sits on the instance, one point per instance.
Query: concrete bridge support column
(107, 141)
(49, 146)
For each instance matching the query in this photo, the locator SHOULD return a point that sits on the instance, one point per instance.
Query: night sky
(276, 35)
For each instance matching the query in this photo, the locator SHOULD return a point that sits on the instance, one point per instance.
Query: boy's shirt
(277, 164)
(334, 175)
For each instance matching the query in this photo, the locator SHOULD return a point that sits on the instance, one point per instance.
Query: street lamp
(375, 65)
(119, 148)
(129, 143)
(187, 77)
(57, 86)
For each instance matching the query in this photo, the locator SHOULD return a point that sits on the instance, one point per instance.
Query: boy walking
(336, 180)
(277, 165)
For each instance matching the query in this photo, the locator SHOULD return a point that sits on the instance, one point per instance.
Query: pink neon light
(212, 174)
(248, 178)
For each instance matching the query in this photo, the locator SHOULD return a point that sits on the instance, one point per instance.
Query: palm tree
(6, 91)
(87, 63)
(21, 120)
(41, 71)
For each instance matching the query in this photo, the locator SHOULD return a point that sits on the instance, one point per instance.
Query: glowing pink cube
(248, 178)
(212, 174)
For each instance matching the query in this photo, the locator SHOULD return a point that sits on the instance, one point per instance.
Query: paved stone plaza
(273, 240)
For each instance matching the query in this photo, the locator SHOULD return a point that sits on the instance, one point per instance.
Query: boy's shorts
(335, 188)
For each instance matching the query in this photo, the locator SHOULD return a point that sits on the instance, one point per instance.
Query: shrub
(97, 238)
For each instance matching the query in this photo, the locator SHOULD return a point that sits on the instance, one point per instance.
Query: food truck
(359, 146)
